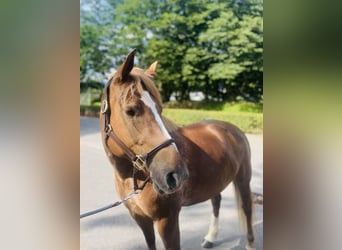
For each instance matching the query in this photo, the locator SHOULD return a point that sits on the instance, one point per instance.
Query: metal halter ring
(139, 162)
(104, 106)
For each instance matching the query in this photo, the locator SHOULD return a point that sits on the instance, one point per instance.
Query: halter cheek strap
(139, 161)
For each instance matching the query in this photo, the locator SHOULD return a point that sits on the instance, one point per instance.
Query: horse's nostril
(171, 180)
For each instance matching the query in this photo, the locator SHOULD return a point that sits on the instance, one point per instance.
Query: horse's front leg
(168, 229)
(146, 225)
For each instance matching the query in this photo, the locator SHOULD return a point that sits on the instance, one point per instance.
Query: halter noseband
(139, 161)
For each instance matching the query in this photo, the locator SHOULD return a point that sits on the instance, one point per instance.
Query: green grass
(247, 122)
(247, 116)
(217, 106)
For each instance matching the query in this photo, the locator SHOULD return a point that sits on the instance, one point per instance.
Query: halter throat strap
(139, 161)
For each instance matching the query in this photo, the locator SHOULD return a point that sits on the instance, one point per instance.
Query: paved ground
(114, 229)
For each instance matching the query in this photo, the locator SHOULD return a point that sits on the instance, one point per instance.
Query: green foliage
(90, 96)
(93, 59)
(234, 40)
(214, 46)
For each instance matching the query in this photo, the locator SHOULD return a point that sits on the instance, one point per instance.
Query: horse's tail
(243, 194)
(239, 204)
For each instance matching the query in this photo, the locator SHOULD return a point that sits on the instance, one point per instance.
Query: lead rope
(137, 190)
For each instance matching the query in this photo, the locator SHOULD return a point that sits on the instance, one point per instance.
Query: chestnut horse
(177, 166)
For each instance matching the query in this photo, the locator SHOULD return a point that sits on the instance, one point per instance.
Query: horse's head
(135, 118)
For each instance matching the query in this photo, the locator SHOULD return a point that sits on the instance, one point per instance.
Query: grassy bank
(247, 122)
(217, 106)
(247, 116)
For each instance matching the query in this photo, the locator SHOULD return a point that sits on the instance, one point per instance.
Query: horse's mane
(143, 81)
(170, 125)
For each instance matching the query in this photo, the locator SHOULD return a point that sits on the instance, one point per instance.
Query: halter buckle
(139, 162)
(108, 129)
(104, 106)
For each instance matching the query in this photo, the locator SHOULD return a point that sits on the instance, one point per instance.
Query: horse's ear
(152, 70)
(126, 66)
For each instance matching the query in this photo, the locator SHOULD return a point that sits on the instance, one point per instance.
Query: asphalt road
(115, 229)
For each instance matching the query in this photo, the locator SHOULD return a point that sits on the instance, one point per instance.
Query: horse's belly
(207, 180)
(196, 193)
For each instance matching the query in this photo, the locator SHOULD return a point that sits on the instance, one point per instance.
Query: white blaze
(146, 98)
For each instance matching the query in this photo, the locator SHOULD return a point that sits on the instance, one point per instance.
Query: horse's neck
(171, 127)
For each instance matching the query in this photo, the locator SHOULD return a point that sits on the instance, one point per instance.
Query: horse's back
(214, 137)
(214, 151)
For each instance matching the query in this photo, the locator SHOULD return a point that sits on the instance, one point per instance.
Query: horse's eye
(132, 111)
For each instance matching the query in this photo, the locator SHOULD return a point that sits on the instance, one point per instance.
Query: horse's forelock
(143, 81)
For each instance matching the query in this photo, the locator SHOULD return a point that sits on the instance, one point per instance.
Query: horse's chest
(145, 204)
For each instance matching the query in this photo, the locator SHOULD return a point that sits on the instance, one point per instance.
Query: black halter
(139, 161)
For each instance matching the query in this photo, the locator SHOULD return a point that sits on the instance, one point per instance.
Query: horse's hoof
(248, 247)
(207, 244)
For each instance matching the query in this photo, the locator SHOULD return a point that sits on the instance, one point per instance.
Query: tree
(213, 46)
(93, 60)
(174, 44)
(235, 43)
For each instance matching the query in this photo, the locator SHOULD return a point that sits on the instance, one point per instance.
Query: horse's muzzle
(169, 182)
